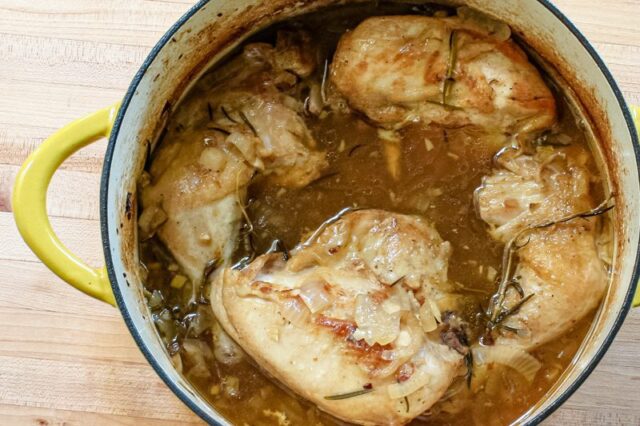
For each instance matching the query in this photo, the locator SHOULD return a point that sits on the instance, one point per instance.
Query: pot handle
(635, 112)
(30, 202)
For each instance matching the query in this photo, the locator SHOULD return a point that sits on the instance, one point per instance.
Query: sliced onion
(515, 358)
(375, 325)
(417, 381)
(294, 311)
(315, 295)
(427, 318)
(435, 310)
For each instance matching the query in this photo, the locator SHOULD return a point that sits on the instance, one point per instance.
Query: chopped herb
(468, 362)
(348, 395)
(221, 130)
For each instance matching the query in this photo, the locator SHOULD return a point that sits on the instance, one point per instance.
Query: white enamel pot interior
(212, 28)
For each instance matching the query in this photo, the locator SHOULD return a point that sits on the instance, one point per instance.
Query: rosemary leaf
(468, 362)
(348, 395)
(248, 123)
(226, 114)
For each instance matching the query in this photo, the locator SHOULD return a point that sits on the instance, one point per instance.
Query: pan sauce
(435, 180)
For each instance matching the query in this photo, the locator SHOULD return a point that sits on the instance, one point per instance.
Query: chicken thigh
(447, 71)
(249, 123)
(350, 319)
(559, 265)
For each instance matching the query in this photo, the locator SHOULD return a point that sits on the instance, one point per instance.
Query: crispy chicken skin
(559, 265)
(338, 316)
(446, 71)
(249, 123)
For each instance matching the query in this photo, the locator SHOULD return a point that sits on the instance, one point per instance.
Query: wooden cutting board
(68, 359)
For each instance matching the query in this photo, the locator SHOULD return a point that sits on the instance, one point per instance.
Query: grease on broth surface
(437, 173)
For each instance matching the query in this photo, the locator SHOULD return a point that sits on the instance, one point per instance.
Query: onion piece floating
(315, 295)
(417, 380)
(515, 358)
(294, 311)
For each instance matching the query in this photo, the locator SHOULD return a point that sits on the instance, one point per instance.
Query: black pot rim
(177, 390)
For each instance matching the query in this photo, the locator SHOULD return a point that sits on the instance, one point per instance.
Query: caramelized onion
(315, 295)
(515, 358)
(294, 311)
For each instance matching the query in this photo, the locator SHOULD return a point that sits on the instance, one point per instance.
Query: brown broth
(436, 180)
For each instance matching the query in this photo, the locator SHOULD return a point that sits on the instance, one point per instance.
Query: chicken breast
(453, 71)
(350, 320)
(558, 265)
(248, 123)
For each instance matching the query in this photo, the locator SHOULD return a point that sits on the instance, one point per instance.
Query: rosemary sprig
(496, 312)
(348, 395)
(451, 65)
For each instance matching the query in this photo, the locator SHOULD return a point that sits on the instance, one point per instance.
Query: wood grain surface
(68, 359)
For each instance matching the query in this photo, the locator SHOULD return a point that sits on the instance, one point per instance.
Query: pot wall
(212, 28)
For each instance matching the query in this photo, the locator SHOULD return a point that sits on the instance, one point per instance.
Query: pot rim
(177, 390)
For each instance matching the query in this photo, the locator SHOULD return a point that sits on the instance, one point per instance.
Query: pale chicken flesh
(353, 309)
(196, 187)
(558, 265)
(454, 71)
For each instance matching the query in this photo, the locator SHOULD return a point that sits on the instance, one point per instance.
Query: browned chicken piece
(558, 265)
(350, 321)
(447, 71)
(248, 123)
